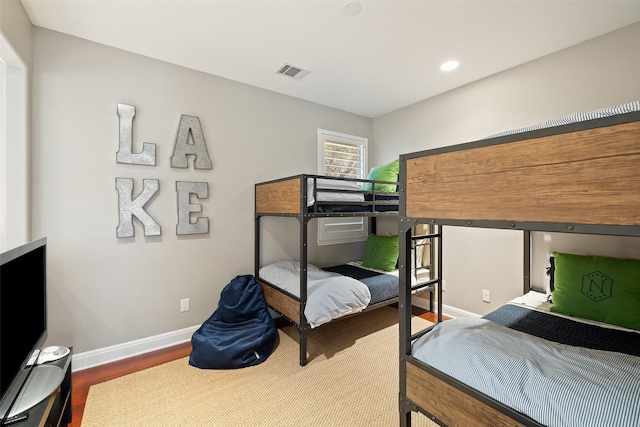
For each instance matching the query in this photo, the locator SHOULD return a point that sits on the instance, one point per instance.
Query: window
(15, 172)
(344, 156)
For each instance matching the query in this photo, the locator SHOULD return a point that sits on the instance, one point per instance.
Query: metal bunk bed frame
(294, 204)
(457, 403)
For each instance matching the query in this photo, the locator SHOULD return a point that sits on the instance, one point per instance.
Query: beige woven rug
(351, 380)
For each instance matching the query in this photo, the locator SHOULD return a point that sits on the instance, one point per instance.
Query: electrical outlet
(444, 286)
(184, 305)
(486, 295)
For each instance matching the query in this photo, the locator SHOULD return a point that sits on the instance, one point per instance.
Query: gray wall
(595, 74)
(105, 291)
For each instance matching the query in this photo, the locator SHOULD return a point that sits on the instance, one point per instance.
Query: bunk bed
(580, 175)
(350, 288)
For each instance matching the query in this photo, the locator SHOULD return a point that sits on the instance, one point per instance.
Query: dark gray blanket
(388, 204)
(382, 286)
(565, 331)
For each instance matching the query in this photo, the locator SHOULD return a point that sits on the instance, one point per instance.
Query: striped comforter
(577, 117)
(557, 385)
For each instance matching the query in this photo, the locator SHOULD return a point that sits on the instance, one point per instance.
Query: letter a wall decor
(190, 124)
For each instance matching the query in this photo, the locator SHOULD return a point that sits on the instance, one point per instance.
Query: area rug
(351, 379)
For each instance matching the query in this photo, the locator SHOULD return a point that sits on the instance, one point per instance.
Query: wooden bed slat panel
(281, 302)
(584, 177)
(281, 197)
(450, 405)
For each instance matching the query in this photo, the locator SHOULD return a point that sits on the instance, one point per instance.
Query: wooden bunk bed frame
(578, 178)
(287, 197)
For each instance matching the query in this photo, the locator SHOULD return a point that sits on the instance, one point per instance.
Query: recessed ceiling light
(351, 8)
(449, 65)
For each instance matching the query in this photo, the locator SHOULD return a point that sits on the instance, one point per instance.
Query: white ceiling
(384, 58)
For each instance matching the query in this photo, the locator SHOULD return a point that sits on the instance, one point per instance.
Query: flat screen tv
(23, 317)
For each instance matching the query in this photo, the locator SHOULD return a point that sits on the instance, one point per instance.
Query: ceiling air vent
(293, 72)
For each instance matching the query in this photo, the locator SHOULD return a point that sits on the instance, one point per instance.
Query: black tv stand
(55, 409)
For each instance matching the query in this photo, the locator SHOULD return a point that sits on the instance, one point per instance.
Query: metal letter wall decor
(190, 125)
(125, 154)
(185, 189)
(129, 208)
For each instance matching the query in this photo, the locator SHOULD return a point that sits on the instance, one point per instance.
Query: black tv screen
(23, 315)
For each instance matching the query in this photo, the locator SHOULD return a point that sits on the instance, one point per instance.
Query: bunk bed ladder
(424, 236)
(407, 251)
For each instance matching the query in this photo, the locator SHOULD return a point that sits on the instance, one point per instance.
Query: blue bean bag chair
(240, 333)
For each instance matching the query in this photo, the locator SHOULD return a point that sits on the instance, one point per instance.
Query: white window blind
(343, 159)
(344, 156)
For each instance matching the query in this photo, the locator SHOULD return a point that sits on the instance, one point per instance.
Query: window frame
(333, 231)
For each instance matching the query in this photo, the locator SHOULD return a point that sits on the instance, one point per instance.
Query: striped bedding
(577, 117)
(555, 384)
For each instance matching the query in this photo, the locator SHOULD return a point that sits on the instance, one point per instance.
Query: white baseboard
(90, 359)
(447, 310)
(456, 312)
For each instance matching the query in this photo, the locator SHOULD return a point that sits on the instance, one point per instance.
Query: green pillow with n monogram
(381, 252)
(597, 288)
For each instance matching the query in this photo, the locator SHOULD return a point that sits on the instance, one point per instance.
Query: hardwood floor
(82, 380)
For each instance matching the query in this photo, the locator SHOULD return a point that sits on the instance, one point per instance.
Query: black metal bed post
(303, 289)
(404, 297)
(404, 308)
(303, 218)
(256, 255)
(433, 250)
(526, 286)
(439, 272)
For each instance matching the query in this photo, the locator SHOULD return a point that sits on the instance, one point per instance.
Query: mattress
(333, 292)
(329, 295)
(558, 370)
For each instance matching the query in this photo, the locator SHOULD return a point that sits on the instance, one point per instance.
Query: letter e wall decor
(184, 190)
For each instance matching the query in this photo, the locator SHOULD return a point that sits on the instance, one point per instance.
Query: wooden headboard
(589, 175)
(279, 197)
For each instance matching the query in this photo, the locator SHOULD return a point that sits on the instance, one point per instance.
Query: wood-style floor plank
(83, 380)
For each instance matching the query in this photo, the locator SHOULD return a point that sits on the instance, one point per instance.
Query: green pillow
(597, 288)
(388, 172)
(381, 253)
